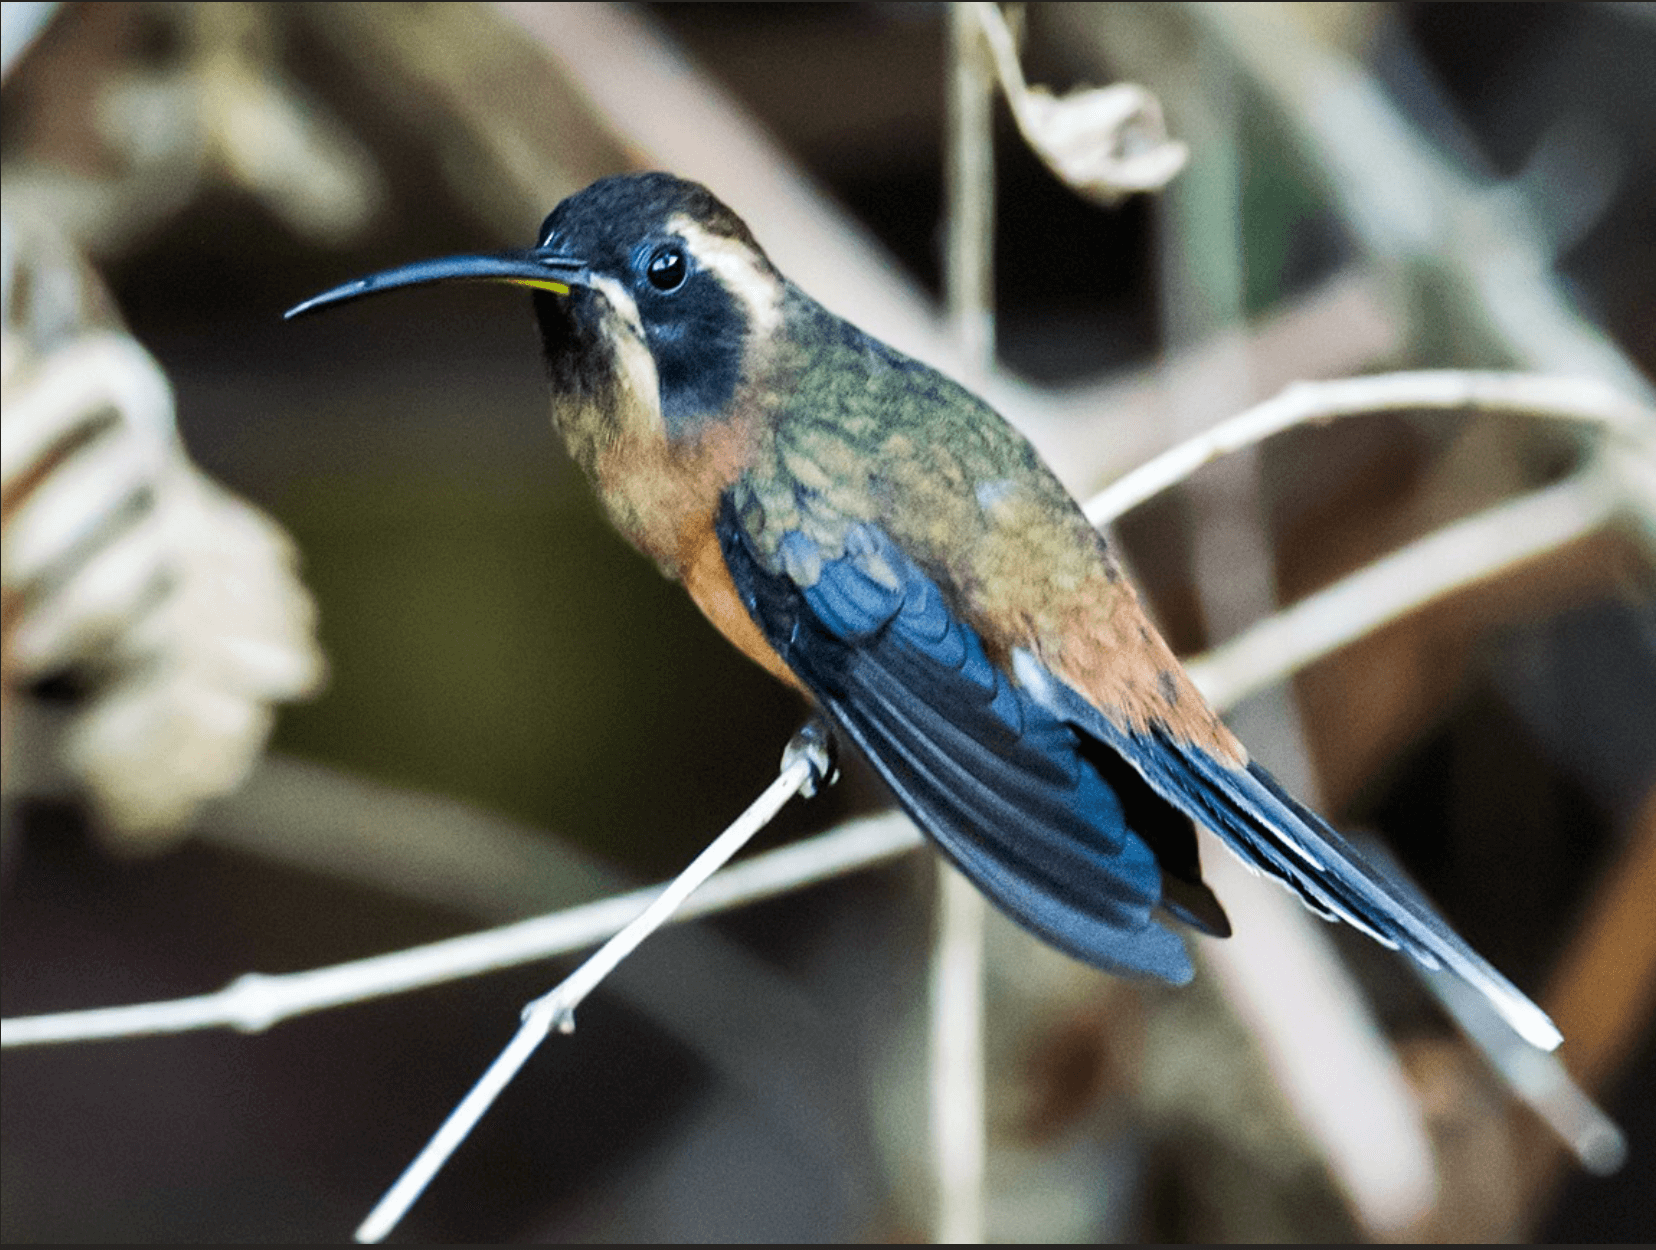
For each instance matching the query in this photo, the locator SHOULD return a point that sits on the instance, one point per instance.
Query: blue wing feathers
(1025, 831)
(993, 777)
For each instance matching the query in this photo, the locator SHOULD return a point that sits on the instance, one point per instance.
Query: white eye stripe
(758, 289)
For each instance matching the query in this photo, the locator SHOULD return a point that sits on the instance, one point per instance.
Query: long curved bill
(541, 270)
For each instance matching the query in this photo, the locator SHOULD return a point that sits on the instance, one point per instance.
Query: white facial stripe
(637, 366)
(759, 290)
(621, 303)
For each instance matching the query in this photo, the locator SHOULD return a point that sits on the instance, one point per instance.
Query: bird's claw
(814, 744)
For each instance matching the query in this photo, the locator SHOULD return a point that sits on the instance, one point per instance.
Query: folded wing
(994, 777)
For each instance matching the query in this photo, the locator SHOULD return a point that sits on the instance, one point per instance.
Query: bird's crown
(605, 223)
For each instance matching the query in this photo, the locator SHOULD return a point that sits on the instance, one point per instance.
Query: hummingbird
(876, 536)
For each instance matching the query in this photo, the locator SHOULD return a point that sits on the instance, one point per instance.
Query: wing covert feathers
(994, 778)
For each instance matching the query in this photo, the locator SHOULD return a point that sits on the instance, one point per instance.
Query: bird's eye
(667, 269)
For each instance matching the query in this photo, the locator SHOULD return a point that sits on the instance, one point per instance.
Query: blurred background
(375, 671)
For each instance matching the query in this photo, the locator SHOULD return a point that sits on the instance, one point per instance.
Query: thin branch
(1280, 972)
(1457, 555)
(556, 1009)
(1583, 400)
(955, 1070)
(1448, 559)
(390, 1209)
(255, 1002)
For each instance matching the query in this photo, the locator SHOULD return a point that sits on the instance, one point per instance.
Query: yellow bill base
(557, 288)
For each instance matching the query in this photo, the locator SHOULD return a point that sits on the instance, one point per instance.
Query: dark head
(637, 261)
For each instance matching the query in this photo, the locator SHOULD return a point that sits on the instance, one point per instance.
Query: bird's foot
(814, 744)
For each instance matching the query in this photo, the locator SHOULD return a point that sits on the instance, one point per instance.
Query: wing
(1269, 829)
(1061, 814)
(997, 779)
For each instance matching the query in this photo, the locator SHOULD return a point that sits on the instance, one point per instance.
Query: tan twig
(255, 1002)
(1449, 559)
(956, 1033)
(556, 1009)
(1584, 400)
(1459, 554)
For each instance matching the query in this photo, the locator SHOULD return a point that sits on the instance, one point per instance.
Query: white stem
(1457, 555)
(1582, 400)
(955, 1072)
(255, 1001)
(557, 1008)
(390, 1209)
(570, 993)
